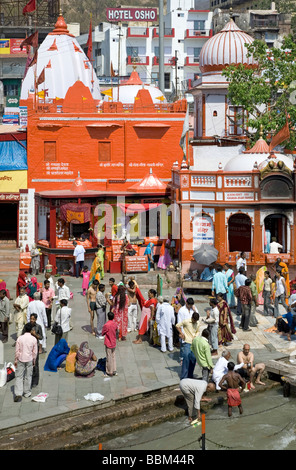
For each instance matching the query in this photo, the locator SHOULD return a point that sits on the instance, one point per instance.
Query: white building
(186, 29)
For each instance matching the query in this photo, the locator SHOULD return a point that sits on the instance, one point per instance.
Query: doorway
(276, 227)
(8, 217)
(240, 233)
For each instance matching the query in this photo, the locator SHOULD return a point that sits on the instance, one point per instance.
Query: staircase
(9, 257)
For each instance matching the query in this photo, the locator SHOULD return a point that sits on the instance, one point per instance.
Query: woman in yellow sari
(101, 256)
(260, 283)
(95, 270)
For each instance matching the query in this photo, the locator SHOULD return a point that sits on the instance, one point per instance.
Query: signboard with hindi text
(132, 14)
(136, 264)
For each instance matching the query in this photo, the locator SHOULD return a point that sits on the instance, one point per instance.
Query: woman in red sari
(21, 282)
(120, 310)
(225, 318)
(148, 312)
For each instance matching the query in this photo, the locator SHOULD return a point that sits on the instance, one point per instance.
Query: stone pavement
(141, 368)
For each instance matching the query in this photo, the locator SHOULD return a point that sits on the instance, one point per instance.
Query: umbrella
(205, 254)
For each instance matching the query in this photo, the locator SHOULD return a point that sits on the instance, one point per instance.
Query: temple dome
(257, 157)
(64, 63)
(127, 92)
(227, 47)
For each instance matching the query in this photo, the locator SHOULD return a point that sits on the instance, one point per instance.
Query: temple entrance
(240, 233)
(8, 217)
(276, 227)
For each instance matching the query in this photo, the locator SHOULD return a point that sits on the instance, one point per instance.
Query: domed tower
(62, 63)
(215, 116)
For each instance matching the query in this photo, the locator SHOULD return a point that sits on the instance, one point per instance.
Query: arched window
(240, 232)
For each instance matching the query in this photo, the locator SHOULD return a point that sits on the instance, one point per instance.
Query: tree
(267, 92)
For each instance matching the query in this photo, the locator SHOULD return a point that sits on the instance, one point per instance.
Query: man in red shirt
(109, 331)
(244, 294)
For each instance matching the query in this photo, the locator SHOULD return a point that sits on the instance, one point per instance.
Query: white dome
(127, 92)
(64, 63)
(246, 161)
(227, 47)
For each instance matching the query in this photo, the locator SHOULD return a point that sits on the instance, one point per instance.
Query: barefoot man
(193, 391)
(234, 383)
(91, 303)
(249, 370)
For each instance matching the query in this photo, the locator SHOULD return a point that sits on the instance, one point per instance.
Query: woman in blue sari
(150, 254)
(230, 281)
(56, 356)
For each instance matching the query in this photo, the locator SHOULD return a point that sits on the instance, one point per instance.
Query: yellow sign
(4, 46)
(13, 181)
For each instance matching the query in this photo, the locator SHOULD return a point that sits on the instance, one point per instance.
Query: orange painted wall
(134, 149)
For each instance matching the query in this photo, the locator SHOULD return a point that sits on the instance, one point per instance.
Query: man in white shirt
(38, 307)
(165, 319)
(240, 279)
(280, 293)
(63, 290)
(221, 369)
(242, 262)
(79, 258)
(274, 246)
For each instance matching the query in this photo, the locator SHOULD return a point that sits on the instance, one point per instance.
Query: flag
(112, 73)
(184, 132)
(280, 137)
(30, 41)
(29, 60)
(41, 78)
(34, 60)
(31, 6)
(48, 66)
(89, 42)
(108, 92)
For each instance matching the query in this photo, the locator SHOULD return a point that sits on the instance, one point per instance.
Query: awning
(75, 213)
(130, 209)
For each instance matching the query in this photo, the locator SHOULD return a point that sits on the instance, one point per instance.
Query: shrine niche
(276, 187)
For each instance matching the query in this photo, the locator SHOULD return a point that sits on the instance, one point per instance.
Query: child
(71, 359)
(109, 331)
(85, 282)
(234, 381)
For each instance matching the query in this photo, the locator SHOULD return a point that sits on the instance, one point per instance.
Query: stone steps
(9, 257)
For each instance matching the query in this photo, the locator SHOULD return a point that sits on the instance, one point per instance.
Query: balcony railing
(265, 24)
(168, 32)
(144, 60)
(168, 60)
(191, 60)
(198, 33)
(137, 32)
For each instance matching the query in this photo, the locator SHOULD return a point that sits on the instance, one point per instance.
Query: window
(104, 151)
(199, 25)
(50, 151)
(132, 51)
(167, 81)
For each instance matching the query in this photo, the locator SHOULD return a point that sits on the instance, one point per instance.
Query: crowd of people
(165, 322)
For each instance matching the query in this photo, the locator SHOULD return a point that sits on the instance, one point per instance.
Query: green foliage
(266, 92)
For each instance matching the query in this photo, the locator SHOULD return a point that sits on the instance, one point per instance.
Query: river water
(268, 422)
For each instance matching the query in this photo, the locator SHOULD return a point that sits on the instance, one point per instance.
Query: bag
(132, 252)
(101, 365)
(57, 329)
(3, 376)
(10, 369)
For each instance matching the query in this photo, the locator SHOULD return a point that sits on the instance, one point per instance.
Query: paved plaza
(141, 368)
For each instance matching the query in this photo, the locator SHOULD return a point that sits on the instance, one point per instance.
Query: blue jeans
(188, 363)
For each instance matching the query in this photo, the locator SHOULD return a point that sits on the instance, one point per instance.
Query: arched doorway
(240, 232)
(276, 226)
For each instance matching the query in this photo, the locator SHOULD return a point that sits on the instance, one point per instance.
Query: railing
(168, 32)
(144, 60)
(198, 33)
(265, 24)
(191, 60)
(168, 60)
(137, 31)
